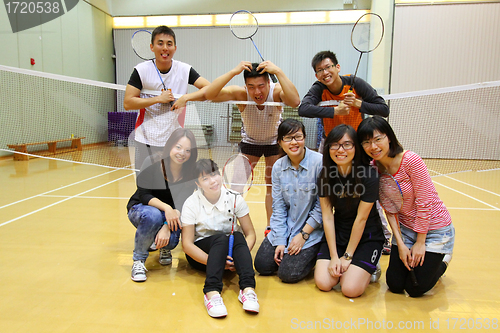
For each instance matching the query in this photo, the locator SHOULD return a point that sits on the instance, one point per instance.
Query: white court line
(474, 186)
(67, 161)
(84, 197)
(488, 170)
(468, 196)
(254, 202)
(57, 189)
(466, 208)
(66, 199)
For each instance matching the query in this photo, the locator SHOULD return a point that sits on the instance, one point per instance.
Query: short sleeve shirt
(211, 219)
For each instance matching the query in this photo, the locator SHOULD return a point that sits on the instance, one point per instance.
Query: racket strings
(237, 183)
(244, 31)
(390, 195)
(367, 33)
(237, 175)
(243, 24)
(141, 41)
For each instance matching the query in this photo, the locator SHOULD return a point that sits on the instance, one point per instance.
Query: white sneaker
(139, 271)
(215, 306)
(165, 257)
(249, 301)
(447, 259)
(376, 275)
(152, 248)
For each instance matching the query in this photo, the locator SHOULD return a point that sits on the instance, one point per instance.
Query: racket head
(367, 33)
(390, 194)
(243, 24)
(237, 174)
(141, 44)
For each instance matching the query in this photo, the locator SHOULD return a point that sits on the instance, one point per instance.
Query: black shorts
(366, 255)
(259, 150)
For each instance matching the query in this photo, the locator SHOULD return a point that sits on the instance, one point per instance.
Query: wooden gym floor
(66, 253)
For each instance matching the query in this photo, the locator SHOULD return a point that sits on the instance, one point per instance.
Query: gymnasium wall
(446, 45)
(437, 46)
(78, 43)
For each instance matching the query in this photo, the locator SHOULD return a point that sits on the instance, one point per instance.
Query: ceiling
(180, 7)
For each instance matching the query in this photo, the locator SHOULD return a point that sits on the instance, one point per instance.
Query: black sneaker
(165, 257)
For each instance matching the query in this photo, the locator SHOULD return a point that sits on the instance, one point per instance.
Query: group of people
(322, 207)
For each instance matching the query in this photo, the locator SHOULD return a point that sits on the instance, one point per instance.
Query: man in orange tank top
(349, 105)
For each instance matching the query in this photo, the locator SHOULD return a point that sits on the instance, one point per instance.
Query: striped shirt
(422, 209)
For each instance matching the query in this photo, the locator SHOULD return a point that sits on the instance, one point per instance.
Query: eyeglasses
(322, 70)
(348, 145)
(298, 137)
(378, 140)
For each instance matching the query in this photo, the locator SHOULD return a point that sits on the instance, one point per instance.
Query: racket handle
(231, 243)
(273, 77)
(413, 278)
(170, 91)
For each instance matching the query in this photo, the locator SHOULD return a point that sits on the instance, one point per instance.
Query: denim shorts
(440, 240)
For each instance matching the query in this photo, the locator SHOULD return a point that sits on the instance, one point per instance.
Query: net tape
(43, 106)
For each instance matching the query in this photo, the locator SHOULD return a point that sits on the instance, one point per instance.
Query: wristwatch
(347, 256)
(305, 235)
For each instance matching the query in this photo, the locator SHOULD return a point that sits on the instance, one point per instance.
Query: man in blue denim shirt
(296, 223)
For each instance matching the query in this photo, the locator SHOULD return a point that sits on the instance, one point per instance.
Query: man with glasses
(331, 86)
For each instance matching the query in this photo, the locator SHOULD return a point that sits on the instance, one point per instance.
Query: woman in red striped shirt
(427, 236)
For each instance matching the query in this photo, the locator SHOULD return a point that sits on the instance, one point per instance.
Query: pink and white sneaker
(249, 301)
(215, 306)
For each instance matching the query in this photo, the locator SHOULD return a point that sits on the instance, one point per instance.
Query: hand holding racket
(391, 199)
(366, 36)
(244, 25)
(268, 67)
(237, 178)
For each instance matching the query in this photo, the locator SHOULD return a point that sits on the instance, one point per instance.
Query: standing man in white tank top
(159, 114)
(260, 122)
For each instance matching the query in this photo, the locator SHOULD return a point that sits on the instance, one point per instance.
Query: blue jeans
(148, 220)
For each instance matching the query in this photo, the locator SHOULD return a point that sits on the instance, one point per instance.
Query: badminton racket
(244, 25)
(237, 178)
(366, 35)
(391, 199)
(141, 44)
(390, 194)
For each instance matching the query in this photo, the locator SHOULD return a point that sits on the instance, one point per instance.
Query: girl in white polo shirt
(206, 220)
